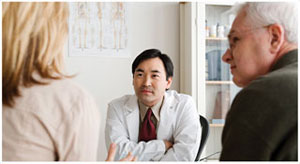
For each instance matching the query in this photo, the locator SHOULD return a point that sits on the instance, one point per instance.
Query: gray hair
(261, 14)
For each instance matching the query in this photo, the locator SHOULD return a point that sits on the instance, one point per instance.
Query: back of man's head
(261, 14)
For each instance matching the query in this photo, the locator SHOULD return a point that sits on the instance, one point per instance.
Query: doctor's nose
(227, 57)
(147, 81)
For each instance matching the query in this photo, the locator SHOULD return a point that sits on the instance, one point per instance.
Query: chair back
(205, 131)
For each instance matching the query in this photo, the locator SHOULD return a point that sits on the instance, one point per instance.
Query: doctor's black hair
(154, 53)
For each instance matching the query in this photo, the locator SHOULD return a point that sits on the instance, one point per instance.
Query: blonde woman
(46, 116)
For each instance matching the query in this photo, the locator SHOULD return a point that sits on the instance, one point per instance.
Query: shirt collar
(155, 109)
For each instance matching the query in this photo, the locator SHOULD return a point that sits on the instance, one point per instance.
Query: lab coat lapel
(167, 116)
(132, 118)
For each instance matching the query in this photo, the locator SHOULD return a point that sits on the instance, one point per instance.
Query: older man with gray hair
(262, 123)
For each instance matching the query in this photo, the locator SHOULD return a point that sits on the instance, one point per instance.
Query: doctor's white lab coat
(179, 124)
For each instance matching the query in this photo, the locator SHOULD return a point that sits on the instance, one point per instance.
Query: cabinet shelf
(216, 125)
(215, 39)
(218, 82)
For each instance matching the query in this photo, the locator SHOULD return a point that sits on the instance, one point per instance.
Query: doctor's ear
(276, 33)
(133, 80)
(169, 82)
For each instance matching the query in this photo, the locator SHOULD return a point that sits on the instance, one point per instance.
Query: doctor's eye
(138, 74)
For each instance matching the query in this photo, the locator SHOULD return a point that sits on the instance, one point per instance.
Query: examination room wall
(150, 25)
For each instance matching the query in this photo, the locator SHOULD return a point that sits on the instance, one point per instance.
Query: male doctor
(155, 124)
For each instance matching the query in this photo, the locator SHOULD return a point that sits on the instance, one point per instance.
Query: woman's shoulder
(62, 88)
(59, 95)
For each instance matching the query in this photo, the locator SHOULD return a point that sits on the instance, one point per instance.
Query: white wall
(151, 25)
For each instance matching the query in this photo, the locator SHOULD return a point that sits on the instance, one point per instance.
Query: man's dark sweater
(262, 123)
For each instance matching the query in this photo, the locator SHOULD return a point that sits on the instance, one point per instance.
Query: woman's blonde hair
(33, 37)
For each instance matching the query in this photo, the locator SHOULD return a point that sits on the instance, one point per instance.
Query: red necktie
(147, 131)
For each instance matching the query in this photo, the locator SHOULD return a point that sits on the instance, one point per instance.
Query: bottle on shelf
(206, 29)
(221, 32)
(213, 31)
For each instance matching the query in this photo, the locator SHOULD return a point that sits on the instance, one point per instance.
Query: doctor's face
(149, 81)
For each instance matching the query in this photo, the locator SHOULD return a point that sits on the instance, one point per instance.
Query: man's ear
(276, 32)
(133, 80)
(169, 82)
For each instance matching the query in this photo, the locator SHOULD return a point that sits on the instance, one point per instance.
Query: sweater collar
(288, 58)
